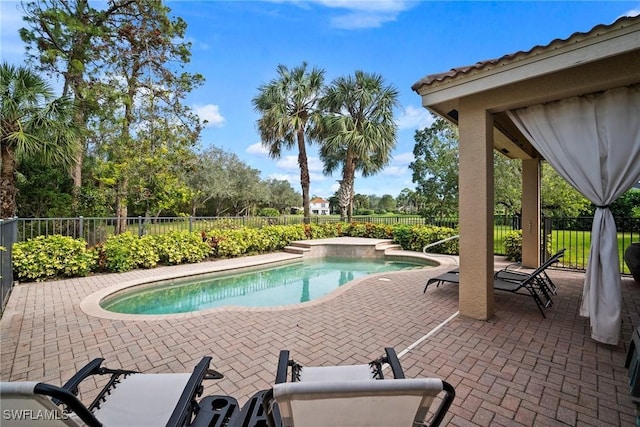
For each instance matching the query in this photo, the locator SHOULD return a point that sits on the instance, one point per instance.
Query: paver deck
(515, 369)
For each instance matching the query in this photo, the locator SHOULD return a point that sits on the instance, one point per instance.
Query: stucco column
(531, 213)
(475, 126)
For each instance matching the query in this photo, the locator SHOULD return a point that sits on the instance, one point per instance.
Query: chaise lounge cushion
(142, 400)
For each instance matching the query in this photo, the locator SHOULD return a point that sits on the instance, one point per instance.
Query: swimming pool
(283, 285)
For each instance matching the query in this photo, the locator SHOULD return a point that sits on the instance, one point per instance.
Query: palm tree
(33, 123)
(358, 132)
(289, 109)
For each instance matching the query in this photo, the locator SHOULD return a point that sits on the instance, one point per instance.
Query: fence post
(546, 232)
(190, 224)
(81, 226)
(140, 230)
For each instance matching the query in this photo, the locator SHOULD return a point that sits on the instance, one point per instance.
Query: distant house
(319, 206)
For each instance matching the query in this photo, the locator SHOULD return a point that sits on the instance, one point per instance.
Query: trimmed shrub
(513, 245)
(126, 252)
(178, 247)
(364, 212)
(52, 257)
(280, 236)
(327, 230)
(416, 237)
(370, 230)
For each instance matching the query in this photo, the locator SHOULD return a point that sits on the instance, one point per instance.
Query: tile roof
(482, 65)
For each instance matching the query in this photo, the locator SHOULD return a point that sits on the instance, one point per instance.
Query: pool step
(388, 246)
(297, 249)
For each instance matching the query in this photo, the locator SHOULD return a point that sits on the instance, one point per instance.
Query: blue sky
(237, 46)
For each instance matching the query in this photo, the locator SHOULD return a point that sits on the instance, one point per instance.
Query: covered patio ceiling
(488, 102)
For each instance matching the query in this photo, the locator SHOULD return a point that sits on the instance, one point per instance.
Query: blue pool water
(282, 285)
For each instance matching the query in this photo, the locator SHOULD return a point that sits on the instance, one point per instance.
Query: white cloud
(399, 166)
(294, 178)
(403, 158)
(367, 5)
(360, 20)
(414, 118)
(210, 113)
(257, 149)
(632, 12)
(290, 163)
(360, 13)
(394, 171)
(282, 177)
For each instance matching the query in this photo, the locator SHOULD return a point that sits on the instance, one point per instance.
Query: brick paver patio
(515, 369)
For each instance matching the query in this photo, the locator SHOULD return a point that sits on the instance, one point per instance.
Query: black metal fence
(574, 234)
(96, 230)
(8, 235)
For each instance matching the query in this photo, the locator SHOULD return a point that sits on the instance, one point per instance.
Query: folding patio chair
(129, 399)
(510, 272)
(352, 395)
(535, 284)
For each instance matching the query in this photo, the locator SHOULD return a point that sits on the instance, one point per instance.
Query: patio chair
(128, 399)
(352, 395)
(510, 272)
(632, 363)
(535, 284)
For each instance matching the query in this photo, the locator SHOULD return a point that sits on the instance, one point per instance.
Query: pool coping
(90, 305)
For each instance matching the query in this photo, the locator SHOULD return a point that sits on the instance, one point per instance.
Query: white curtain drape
(593, 142)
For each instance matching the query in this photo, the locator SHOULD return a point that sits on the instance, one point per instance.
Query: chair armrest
(447, 400)
(512, 266)
(508, 275)
(392, 360)
(91, 368)
(70, 400)
(283, 366)
(186, 404)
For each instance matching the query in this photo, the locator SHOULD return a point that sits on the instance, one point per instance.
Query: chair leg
(536, 298)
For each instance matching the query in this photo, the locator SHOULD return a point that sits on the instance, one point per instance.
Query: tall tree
(435, 172)
(62, 41)
(507, 183)
(408, 201)
(222, 184)
(33, 123)
(43, 190)
(358, 130)
(281, 195)
(289, 111)
(387, 203)
(558, 198)
(142, 98)
(435, 168)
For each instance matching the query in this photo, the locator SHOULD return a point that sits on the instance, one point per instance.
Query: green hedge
(416, 237)
(126, 252)
(179, 247)
(57, 256)
(52, 257)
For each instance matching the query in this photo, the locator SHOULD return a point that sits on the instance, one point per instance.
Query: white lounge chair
(346, 396)
(129, 399)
